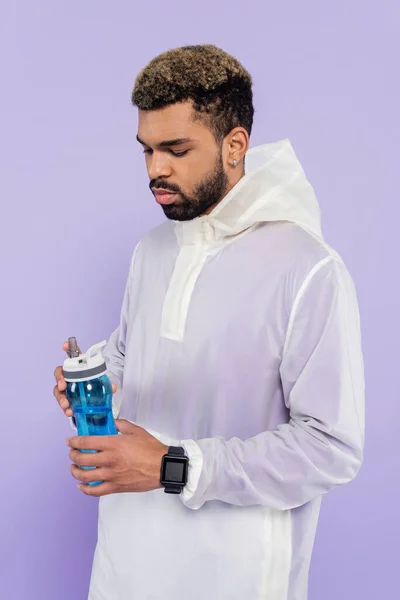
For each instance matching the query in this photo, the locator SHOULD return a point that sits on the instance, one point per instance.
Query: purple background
(75, 200)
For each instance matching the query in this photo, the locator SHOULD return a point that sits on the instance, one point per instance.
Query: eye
(179, 153)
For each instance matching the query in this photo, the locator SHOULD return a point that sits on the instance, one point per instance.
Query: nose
(158, 166)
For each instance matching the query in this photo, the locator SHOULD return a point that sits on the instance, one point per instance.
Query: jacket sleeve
(322, 376)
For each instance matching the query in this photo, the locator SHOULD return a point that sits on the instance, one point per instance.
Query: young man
(238, 357)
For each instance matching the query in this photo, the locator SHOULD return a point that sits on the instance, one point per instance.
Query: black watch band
(172, 489)
(176, 451)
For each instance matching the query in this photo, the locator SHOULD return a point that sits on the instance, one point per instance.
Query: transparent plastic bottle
(89, 392)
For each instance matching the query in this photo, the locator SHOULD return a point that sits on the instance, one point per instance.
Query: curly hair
(218, 85)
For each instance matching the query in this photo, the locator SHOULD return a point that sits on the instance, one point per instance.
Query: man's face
(182, 157)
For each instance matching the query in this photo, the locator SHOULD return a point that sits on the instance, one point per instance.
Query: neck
(231, 185)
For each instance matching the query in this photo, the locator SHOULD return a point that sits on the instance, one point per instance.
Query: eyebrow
(165, 143)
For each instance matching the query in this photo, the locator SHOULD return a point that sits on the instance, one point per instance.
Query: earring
(234, 163)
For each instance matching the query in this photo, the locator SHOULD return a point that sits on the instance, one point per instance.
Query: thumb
(66, 348)
(126, 427)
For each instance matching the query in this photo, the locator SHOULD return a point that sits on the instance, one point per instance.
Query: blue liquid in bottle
(91, 403)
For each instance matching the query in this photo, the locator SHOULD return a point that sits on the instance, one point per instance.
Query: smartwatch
(174, 470)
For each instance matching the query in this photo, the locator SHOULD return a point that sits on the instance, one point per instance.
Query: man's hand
(125, 463)
(61, 386)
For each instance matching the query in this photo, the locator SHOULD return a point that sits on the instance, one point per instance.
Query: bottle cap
(85, 366)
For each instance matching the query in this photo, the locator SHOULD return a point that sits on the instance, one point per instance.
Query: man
(238, 353)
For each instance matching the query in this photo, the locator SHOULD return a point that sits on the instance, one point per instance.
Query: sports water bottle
(89, 392)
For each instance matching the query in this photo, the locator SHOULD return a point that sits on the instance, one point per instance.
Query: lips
(164, 197)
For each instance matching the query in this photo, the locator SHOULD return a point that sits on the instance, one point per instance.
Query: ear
(238, 144)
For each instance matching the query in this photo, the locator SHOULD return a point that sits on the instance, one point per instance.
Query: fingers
(63, 402)
(89, 476)
(114, 387)
(88, 459)
(58, 373)
(61, 386)
(92, 442)
(62, 399)
(66, 348)
(86, 477)
(104, 489)
(59, 391)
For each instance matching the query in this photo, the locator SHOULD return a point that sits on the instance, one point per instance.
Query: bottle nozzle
(73, 350)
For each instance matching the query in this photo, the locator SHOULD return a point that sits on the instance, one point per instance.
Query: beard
(205, 195)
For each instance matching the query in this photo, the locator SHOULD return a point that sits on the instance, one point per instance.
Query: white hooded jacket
(239, 339)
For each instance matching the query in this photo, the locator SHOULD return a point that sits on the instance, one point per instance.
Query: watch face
(174, 470)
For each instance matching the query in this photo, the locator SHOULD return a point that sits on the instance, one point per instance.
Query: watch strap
(176, 451)
(172, 489)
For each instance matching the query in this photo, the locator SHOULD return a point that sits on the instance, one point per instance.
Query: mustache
(161, 186)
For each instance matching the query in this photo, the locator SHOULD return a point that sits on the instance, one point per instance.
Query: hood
(274, 188)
